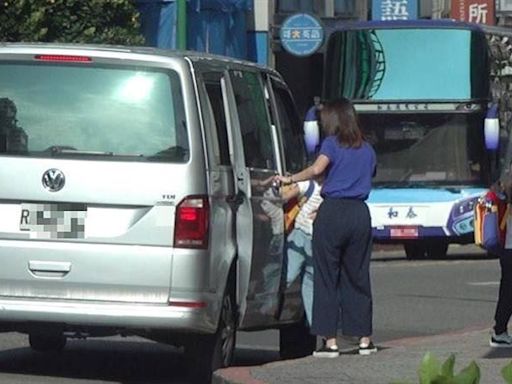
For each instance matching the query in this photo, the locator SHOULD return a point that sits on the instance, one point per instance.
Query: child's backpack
(293, 206)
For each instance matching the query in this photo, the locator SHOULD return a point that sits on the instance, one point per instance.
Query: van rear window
(117, 113)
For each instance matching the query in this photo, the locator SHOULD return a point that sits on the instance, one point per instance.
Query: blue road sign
(301, 34)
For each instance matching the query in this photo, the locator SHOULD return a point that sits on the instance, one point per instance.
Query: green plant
(506, 372)
(431, 371)
(70, 21)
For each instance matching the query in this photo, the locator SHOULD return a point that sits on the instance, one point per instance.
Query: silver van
(136, 198)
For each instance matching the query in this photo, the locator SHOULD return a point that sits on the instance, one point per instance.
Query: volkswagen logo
(53, 180)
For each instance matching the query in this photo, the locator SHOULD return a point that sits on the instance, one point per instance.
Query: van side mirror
(492, 128)
(311, 130)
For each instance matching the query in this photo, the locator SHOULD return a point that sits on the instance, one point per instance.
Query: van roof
(139, 50)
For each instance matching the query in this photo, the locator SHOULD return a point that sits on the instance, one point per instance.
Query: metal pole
(271, 10)
(361, 10)
(329, 8)
(181, 27)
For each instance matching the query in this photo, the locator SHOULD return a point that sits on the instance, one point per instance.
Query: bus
(422, 92)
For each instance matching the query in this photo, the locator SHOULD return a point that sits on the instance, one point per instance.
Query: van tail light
(64, 58)
(191, 228)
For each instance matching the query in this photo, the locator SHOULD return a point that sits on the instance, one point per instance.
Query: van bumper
(122, 316)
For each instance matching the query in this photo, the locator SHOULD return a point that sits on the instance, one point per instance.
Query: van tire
(296, 341)
(47, 342)
(207, 353)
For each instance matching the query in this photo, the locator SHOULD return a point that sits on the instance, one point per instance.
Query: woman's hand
(286, 180)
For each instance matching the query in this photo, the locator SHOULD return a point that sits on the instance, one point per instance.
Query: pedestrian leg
(355, 287)
(326, 264)
(504, 304)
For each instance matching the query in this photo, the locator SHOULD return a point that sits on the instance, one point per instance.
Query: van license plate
(53, 221)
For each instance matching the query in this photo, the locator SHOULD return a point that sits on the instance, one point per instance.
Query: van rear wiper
(68, 150)
(81, 152)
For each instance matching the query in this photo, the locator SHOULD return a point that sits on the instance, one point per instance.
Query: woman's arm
(315, 169)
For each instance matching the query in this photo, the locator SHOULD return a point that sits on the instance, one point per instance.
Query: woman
(499, 336)
(342, 239)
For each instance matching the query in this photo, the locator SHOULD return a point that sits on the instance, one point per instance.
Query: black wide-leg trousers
(342, 246)
(504, 304)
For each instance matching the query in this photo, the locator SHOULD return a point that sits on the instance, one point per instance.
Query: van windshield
(112, 112)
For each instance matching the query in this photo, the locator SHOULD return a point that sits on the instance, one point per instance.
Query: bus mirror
(492, 128)
(311, 130)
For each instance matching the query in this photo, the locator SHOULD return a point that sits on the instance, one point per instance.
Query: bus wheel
(437, 249)
(415, 250)
(40, 342)
(207, 353)
(295, 341)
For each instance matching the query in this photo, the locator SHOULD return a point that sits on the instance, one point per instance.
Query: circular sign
(301, 34)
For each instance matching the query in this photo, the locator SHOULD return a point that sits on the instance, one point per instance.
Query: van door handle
(49, 268)
(236, 200)
(240, 176)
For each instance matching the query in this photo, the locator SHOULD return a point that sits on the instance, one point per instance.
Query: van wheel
(415, 250)
(295, 341)
(207, 353)
(47, 342)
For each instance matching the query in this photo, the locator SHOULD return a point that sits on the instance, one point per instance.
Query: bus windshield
(416, 150)
(406, 64)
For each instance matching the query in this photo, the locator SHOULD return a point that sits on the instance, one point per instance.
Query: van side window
(214, 91)
(291, 128)
(254, 120)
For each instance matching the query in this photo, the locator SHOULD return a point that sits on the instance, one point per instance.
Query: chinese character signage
(394, 9)
(301, 34)
(474, 11)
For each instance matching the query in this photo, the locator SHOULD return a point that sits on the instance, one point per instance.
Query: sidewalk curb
(242, 375)
(235, 375)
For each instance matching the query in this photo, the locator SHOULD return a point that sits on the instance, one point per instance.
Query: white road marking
(484, 283)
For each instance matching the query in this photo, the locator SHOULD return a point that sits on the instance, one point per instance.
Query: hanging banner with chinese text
(474, 11)
(394, 9)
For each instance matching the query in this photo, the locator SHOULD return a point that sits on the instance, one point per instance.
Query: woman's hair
(339, 118)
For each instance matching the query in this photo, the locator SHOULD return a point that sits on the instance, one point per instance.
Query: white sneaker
(367, 349)
(327, 352)
(503, 340)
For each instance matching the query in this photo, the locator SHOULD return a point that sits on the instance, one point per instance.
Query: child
(299, 249)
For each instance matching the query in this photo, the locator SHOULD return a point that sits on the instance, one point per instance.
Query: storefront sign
(474, 11)
(394, 9)
(301, 34)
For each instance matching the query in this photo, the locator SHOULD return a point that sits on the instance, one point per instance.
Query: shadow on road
(456, 255)
(498, 353)
(245, 357)
(120, 362)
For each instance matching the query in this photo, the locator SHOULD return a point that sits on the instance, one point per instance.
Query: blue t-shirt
(350, 170)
